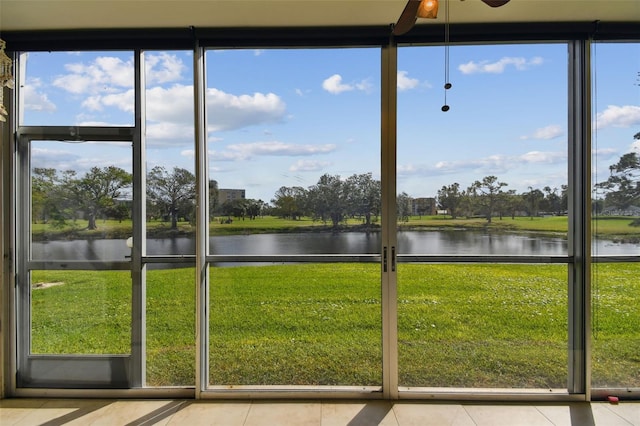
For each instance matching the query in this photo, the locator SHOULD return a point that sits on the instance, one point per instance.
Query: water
(409, 242)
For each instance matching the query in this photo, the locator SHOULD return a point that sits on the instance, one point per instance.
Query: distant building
(225, 195)
(423, 206)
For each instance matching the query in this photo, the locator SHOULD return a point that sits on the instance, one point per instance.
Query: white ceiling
(98, 14)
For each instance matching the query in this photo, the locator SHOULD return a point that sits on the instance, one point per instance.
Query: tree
(214, 196)
(328, 199)
(44, 183)
(255, 208)
(487, 194)
(532, 200)
(289, 202)
(171, 193)
(552, 200)
(363, 196)
(623, 184)
(403, 203)
(449, 198)
(97, 191)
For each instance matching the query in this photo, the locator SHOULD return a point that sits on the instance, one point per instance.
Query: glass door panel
(481, 186)
(76, 294)
(294, 164)
(615, 295)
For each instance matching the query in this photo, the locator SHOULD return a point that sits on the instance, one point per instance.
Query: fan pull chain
(447, 84)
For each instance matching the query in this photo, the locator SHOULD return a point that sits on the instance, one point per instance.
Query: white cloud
(499, 67)
(163, 68)
(545, 133)
(542, 157)
(619, 116)
(230, 112)
(63, 160)
(105, 74)
(246, 151)
(334, 85)
(308, 166)
(635, 147)
(493, 164)
(170, 104)
(34, 100)
(405, 82)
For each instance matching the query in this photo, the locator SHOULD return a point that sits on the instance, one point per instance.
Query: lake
(409, 242)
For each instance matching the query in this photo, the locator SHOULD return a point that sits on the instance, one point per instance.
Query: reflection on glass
(80, 312)
(80, 211)
(170, 326)
(615, 325)
(482, 326)
(305, 324)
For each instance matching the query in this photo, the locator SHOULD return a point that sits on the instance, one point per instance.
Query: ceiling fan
(426, 9)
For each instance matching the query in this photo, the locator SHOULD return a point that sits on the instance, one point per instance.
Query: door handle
(393, 258)
(384, 259)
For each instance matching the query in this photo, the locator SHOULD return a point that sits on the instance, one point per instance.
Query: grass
(320, 324)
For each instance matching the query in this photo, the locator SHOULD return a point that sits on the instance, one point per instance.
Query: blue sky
(285, 117)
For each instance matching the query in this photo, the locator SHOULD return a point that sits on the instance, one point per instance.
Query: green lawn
(459, 325)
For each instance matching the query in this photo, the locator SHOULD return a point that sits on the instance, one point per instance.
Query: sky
(284, 117)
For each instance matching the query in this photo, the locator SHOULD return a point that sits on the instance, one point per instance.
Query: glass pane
(488, 176)
(616, 217)
(482, 326)
(284, 129)
(170, 153)
(77, 89)
(616, 325)
(304, 324)
(171, 347)
(80, 312)
(81, 197)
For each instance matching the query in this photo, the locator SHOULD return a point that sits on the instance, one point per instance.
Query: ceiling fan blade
(407, 19)
(495, 3)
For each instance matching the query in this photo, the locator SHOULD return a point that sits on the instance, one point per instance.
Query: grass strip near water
(616, 228)
(459, 325)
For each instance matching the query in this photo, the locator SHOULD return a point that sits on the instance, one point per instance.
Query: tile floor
(53, 412)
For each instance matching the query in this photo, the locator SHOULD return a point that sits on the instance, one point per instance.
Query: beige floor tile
(61, 411)
(122, 413)
(211, 413)
(427, 414)
(507, 415)
(276, 414)
(568, 414)
(358, 413)
(604, 415)
(627, 410)
(12, 411)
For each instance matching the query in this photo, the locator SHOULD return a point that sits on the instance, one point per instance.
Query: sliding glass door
(294, 219)
(482, 218)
